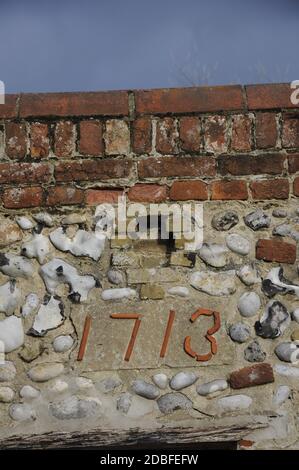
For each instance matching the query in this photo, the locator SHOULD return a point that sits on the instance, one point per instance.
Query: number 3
(208, 335)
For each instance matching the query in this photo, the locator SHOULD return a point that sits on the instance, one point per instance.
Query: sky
(77, 45)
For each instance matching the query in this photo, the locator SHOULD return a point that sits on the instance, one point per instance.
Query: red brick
(245, 443)
(276, 250)
(296, 186)
(64, 139)
(111, 103)
(9, 109)
(18, 198)
(215, 134)
(241, 133)
(269, 96)
(92, 170)
(167, 136)
(16, 140)
(24, 173)
(91, 138)
(64, 195)
(142, 135)
(154, 167)
(190, 134)
(189, 100)
(290, 130)
(266, 130)
(189, 190)
(258, 374)
(293, 162)
(272, 164)
(229, 190)
(39, 140)
(100, 196)
(147, 193)
(270, 189)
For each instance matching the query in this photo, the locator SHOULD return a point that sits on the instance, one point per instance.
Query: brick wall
(229, 143)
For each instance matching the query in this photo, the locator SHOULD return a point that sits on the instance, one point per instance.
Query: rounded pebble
(29, 393)
(6, 394)
(63, 343)
(161, 380)
(182, 380)
(238, 244)
(145, 389)
(22, 412)
(249, 303)
(174, 401)
(239, 332)
(207, 388)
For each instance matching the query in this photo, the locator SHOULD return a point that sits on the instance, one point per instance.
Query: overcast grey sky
(67, 45)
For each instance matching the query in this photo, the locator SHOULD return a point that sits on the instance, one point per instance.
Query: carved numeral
(129, 316)
(167, 333)
(209, 335)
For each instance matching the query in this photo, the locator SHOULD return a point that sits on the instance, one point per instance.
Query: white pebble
(6, 394)
(180, 291)
(118, 294)
(63, 343)
(217, 385)
(145, 390)
(182, 380)
(249, 304)
(161, 380)
(234, 403)
(24, 223)
(83, 383)
(22, 412)
(29, 393)
(281, 395)
(59, 386)
(238, 244)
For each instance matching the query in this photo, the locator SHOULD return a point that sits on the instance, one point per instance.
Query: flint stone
(45, 372)
(254, 352)
(257, 220)
(182, 380)
(213, 254)
(73, 408)
(6, 394)
(234, 403)
(22, 412)
(161, 380)
(249, 303)
(174, 401)
(281, 395)
(124, 402)
(224, 221)
(239, 332)
(217, 385)
(238, 244)
(145, 390)
(218, 284)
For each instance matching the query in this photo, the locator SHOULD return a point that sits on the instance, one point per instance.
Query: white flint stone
(22, 412)
(295, 315)
(218, 284)
(11, 333)
(63, 343)
(182, 380)
(145, 390)
(115, 277)
(44, 218)
(7, 371)
(59, 386)
(123, 403)
(45, 372)
(288, 352)
(180, 291)
(29, 393)
(49, 316)
(24, 223)
(287, 371)
(109, 384)
(238, 244)
(37, 247)
(74, 407)
(281, 395)
(239, 332)
(57, 272)
(161, 380)
(15, 266)
(118, 294)
(217, 385)
(234, 403)
(6, 394)
(83, 244)
(248, 275)
(174, 401)
(249, 303)
(30, 305)
(213, 254)
(10, 297)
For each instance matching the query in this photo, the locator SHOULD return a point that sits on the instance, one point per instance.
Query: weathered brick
(64, 195)
(147, 193)
(266, 130)
(215, 134)
(117, 137)
(100, 196)
(293, 162)
(16, 140)
(151, 291)
(290, 130)
(167, 136)
(9, 109)
(272, 164)
(241, 133)
(25, 172)
(269, 96)
(296, 186)
(276, 250)
(258, 374)
(190, 134)
(18, 198)
(142, 135)
(154, 167)
(39, 140)
(111, 103)
(65, 136)
(91, 139)
(270, 189)
(92, 170)
(189, 100)
(189, 190)
(229, 190)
